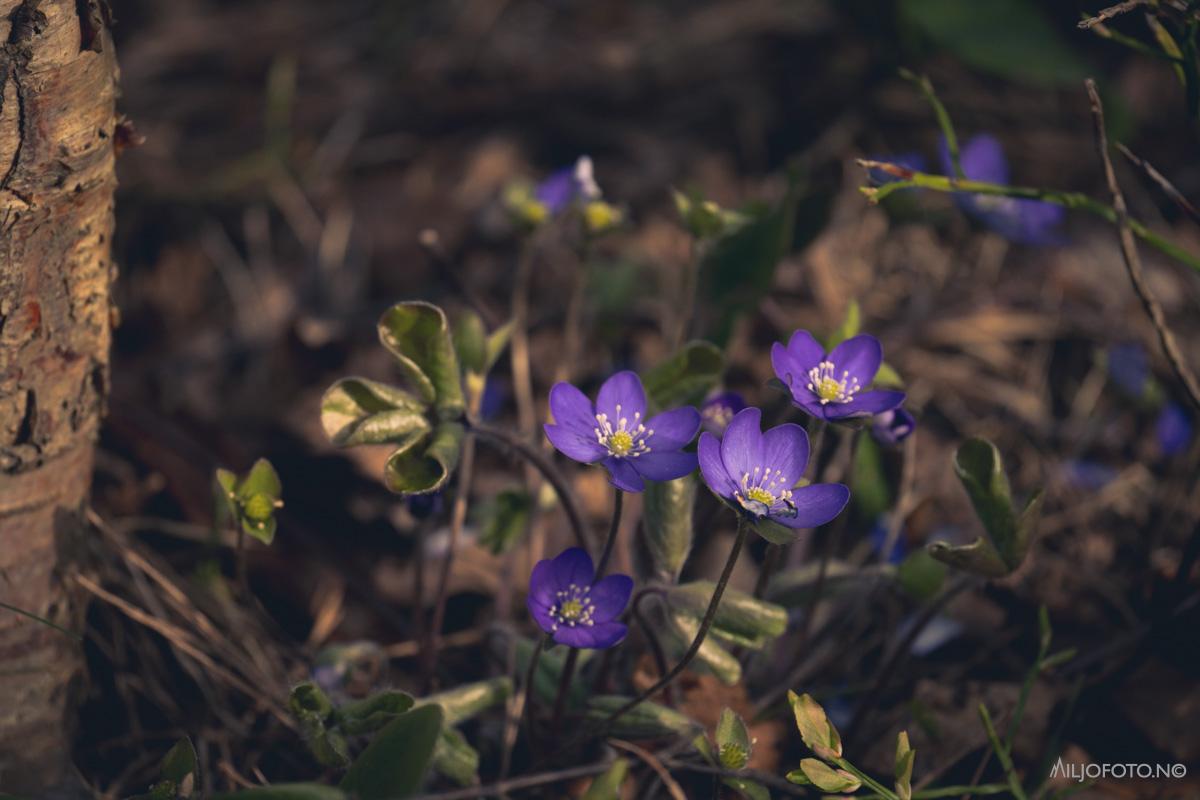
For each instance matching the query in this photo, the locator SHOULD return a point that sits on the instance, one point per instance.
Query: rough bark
(57, 130)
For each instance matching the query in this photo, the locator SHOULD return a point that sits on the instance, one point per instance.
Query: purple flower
(1129, 368)
(893, 427)
(1173, 430)
(424, 506)
(718, 410)
(830, 385)
(1015, 218)
(879, 534)
(614, 432)
(572, 606)
(757, 473)
(562, 188)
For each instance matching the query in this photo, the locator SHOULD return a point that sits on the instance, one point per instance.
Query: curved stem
(543, 465)
(705, 623)
(524, 712)
(564, 686)
(610, 542)
(660, 658)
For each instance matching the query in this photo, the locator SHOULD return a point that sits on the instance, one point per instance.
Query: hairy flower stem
(705, 623)
(542, 463)
(458, 517)
(909, 178)
(691, 278)
(525, 709)
(568, 673)
(660, 658)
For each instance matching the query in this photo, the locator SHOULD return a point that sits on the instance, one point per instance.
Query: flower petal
(805, 349)
(572, 408)
(542, 583)
(574, 444)
(673, 429)
(785, 448)
(860, 356)
(815, 505)
(713, 468)
(741, 448)
(982, 159)
(598, 637)
(610, 595)
(540, 614)
(623, 389)
(572, 566)
(865, 404)
(622, 475)
(789, 370)
(660, 466)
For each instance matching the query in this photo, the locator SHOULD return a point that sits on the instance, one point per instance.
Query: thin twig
(651, 760)
(1110, 12)
(543, 465)
(1168, 188)
(528, 782)
(458, 517)
(1133, 262)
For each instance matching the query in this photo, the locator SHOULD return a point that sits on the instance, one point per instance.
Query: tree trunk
(57, 131)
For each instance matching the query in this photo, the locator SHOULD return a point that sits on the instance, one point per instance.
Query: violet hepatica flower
(1129, 368)
(833, 386)
(756, 473)
(1018, 219)
(893, 427)
(572, 606)
(562, 188)
(615, 432)
(1173, 429)
(718, 410)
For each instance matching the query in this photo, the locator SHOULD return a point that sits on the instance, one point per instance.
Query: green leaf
(827, 778)
(741, 619)
(425, 466)
(798, 777)
(904, 766)
(549, 670)
(677, 635)
(470, 341)
(225, 497)
(494, 347)
(1009, 38)
(178, 768)
(358, 411)
(733, 740)
(815, 728)
(285, 791)
(309, 703)
(981, 471)
(645, 721)
(667, 524)
(851, 325)
(607, 785)
(504, 520)
(747, 788)
(455, 758)
(394, 764)
(372, 713)
(979, 557)
(464, 702)
(418, 335)
(262, 479)
(775, 533)
(921, 575)
(686, 377)
(868, 483)
(887, 377)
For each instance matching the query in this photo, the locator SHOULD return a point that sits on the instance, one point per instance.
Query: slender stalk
(613, 528)
(660, 658)
(42, 620)
(866, 779)
(775, 552)
(522, 373)
(564, 687)
(525, 711)
(701, 634)
(458, 517)
(542, 463)
(909, 178)
(687, 311)
(1010, 771)
(527, 782)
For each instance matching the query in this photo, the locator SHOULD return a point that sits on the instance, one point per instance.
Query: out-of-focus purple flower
(830, 386)
(756, 473)
(1015, 218)
(615, 433)
(879, 534)
(1087, 475)
(913, 161)
(424, 506)
(565, 186)
(718, 410)
(494, 395)
(893, 427)
(1173, 430)
(569, 603)
(1129, 368)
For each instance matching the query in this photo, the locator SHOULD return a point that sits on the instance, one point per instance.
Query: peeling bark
(57, 126)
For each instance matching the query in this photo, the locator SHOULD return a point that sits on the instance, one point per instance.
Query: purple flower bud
(833, 386)
(1173, 429)
(614, 432)
(565, 186)
(893, 427)
(1129, 368)
(569, 603)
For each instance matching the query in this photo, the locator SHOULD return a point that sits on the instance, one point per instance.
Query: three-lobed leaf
(667, 524)
(418, 335)
(357, 411)
(686, 377)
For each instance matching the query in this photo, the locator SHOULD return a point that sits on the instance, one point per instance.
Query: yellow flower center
(823, 382)
(760, 495)
(572, 609)
(764, 492)
(626, 438)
